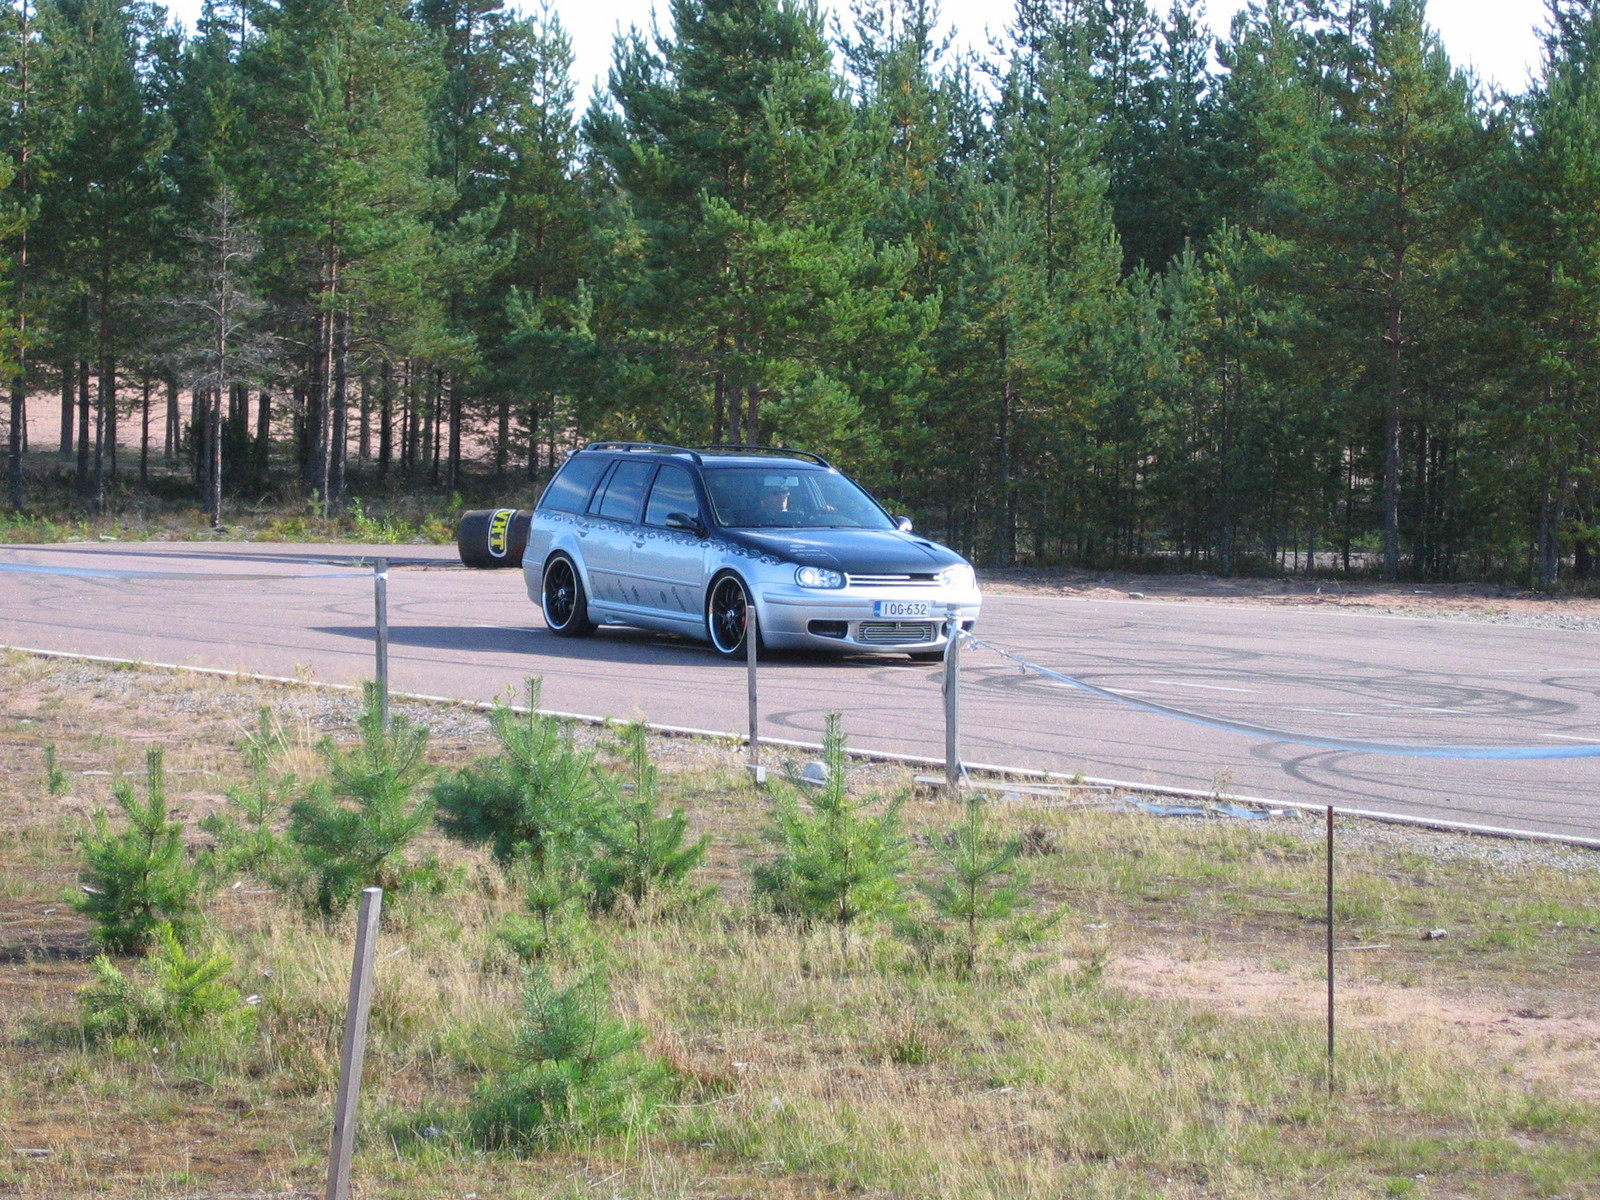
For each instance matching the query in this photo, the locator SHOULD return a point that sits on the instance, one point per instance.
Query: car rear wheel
(566, 608)
(729, 616)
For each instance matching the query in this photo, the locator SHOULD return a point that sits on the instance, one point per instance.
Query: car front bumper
(794, 618)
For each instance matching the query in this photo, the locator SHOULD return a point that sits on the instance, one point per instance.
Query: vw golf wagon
(719, 542)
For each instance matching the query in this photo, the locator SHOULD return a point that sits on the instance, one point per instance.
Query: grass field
(1164, 1039)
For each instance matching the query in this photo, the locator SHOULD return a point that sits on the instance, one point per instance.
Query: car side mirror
(903, 524)
(687, 523)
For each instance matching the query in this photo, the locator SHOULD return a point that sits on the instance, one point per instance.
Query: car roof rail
(643, 448)
(785, 452)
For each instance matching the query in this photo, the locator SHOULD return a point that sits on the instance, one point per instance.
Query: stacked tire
(493, 538)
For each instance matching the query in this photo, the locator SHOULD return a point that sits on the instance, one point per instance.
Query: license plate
(900, 608)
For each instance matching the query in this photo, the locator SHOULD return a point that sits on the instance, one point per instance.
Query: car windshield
(776, 498)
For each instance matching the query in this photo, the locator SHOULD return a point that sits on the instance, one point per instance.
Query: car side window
(673, 493)
(623, 494)
(569, 490)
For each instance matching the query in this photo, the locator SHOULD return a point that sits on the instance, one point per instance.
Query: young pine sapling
(642, 851)
(139, 878)
(247, 837)
(982, 891)
(539, 791)
(577, 1069)
(355, 828)
(834, 862)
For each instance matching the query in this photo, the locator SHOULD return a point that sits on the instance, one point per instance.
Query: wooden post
(1329, 857)
(355, 1045)
(380, 596)
(952, 702)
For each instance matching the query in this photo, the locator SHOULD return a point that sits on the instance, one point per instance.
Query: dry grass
(1192, 1067)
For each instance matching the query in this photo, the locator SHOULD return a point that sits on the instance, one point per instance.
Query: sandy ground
(1534, 1040)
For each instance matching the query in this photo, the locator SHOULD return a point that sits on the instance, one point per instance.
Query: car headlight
(818, 577)
(958, 577)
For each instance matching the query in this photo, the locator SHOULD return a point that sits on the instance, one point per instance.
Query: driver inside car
(775, 506)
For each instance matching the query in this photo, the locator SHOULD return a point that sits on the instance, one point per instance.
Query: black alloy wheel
(566, 608)
(728, 616)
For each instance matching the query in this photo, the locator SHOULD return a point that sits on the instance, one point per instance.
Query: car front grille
(894, 581)
(895, 633)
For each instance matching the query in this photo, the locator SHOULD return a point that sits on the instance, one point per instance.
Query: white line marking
(1331, 712)
(1210, 687)
(1567, 737)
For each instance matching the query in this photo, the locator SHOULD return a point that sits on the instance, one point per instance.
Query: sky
(1496, 38)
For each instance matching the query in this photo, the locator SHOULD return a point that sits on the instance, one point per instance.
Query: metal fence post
(751, 636)
(952, 701)
(354, 1051)
(380, 597)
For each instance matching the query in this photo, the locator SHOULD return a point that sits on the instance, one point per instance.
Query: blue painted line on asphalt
(1349, 745)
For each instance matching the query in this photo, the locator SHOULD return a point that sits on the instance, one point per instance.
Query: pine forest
(1111, 293)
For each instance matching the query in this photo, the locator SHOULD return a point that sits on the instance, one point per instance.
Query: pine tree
(1275, 352)
(139, 879)
(1541, 265)
(234, 354)
(105, 211)
(730, 145)
(642, 851)
(508, 147)
(247, 838)
(550, 212)
(175, 991)
(906, 103)
(1031, 294)
(981, 889)
(340, 104)
(30, 127)
(356, 828)
(576, 1069)
(1172, 203)
(1399, 159)
(218, 344)
(834, 862)
(538, 797)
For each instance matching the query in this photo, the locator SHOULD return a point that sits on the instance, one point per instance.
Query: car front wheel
(566, 608)
(729, 616)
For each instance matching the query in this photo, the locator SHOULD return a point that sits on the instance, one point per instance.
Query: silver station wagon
(691, 541)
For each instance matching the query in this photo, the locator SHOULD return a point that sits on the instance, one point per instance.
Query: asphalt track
(308, 611)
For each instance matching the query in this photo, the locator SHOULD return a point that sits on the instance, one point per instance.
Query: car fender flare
(564, 547)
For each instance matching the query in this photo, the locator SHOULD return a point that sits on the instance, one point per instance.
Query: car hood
(854, 551)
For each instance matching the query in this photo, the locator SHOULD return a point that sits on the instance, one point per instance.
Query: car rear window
(569, 490)
(623, 493)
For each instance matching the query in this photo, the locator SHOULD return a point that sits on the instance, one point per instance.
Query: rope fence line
(861, 753)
